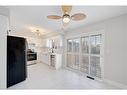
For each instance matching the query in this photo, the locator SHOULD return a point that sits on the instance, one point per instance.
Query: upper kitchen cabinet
(36, 41)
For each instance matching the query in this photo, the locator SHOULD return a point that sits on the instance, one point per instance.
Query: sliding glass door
(95, 65)
(84, 54)
(73, 53)
(84, 67)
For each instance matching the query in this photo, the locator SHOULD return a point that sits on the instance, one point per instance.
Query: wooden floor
(41, 76)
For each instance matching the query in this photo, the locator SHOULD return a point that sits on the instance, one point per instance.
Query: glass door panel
(95, 41)
(95, 66)
(84, 66)
(73, 61)
(73, 50)
(76, 43)
(85, 44)
(95, 69)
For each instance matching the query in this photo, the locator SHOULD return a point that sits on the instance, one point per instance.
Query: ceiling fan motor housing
(66, 18)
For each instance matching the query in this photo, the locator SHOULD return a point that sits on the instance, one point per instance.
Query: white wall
(115, 50)
(4, 23)
(4, 11)
(3, 48)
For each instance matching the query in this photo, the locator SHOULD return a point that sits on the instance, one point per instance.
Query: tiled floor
(41, 76)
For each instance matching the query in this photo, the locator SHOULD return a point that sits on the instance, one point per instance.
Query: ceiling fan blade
(66, 9)
(78, 16)
(54, 17)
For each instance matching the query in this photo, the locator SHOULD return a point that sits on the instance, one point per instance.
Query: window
(90, 54)
(50, 43)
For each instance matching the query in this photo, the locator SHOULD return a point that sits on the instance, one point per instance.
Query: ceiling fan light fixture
(66, 18)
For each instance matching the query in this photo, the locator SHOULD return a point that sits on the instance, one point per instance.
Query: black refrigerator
(16, 60)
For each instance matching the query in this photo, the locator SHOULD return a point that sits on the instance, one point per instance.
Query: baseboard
(116, 84)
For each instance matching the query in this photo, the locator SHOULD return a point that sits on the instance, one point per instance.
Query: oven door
(31, 56)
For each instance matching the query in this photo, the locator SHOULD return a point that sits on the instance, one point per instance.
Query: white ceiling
(28, 18)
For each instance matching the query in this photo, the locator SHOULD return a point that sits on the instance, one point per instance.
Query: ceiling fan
(66, 18)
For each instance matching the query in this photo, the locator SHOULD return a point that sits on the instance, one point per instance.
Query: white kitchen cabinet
(52, 59)
(45, 58)
(56, 61)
